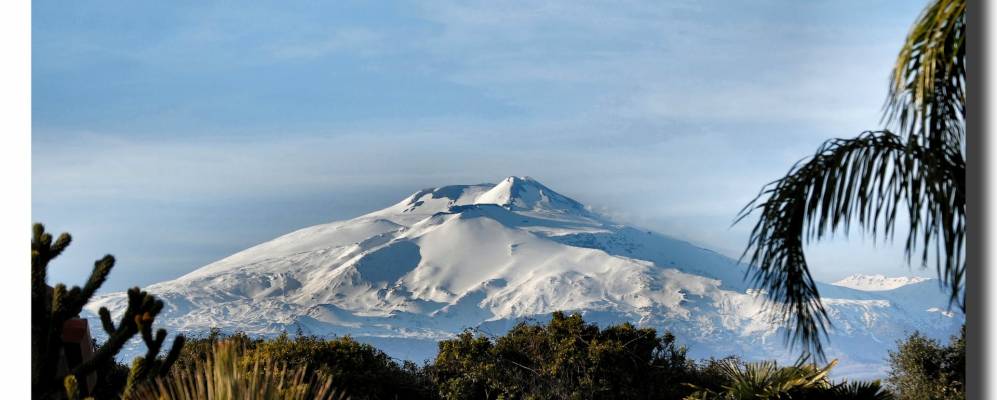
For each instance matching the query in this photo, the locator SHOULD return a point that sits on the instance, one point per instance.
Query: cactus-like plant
(51, 308)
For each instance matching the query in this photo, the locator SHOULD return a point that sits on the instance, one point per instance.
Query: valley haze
(486, 256)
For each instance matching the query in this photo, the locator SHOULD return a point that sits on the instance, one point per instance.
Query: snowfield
(878, 282)
(485, 256)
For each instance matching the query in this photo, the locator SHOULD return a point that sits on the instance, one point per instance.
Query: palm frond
(920, 169)
(767, 380)
(864, 390)
(927, 104)
(817, 197)
(927, 96)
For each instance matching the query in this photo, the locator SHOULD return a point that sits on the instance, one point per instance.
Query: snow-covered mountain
(488, 255)
(878, 282)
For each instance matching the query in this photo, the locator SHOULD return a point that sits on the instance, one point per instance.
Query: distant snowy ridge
(878, 282)
(488, 255)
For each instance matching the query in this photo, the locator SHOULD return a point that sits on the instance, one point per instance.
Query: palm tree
(916, 165)
(802, 380)
(767, 380)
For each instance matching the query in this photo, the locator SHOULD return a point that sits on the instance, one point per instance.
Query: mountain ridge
(878, 282)
(487, 255)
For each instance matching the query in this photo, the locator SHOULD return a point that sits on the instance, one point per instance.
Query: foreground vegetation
(565, 358)
(225, 373)
(922, 368)
(61, 368)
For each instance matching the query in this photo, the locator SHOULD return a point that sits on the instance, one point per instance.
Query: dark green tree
(915, 166)
(358, 369)
(465, 368)
(923, 369)
(51, 308)
(566, 358)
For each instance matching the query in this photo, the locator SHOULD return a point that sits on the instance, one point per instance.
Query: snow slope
(878, 282)
(486, 256)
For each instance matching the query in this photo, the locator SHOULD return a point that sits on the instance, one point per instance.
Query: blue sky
(174, 134)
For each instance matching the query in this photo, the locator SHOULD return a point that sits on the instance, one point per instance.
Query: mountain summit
(525, 193)
(487, 255)
(513, 193)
